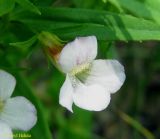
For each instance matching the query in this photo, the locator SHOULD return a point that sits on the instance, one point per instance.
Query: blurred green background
(128, 31)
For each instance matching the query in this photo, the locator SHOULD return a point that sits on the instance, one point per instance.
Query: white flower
(89, 83)
(15, 113)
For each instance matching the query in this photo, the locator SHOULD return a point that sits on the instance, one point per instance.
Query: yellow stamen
(80, 68)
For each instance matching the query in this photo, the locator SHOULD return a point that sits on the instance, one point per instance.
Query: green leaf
(6, 6)
(43, 2)
(25, 47)
(69, 23)
(26, 4)
(25, 44)
(146, 9)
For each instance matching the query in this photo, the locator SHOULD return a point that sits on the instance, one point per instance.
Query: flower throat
(80, 68)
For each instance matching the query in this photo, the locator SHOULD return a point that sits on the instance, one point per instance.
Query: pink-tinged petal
(79, 51)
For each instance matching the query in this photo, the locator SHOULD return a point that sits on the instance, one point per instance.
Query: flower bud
(52, 46)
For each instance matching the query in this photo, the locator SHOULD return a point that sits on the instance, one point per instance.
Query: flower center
(1, 105)
(80, 68)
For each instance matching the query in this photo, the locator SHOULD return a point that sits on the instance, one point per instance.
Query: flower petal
(7, 85)
(5, 131)
(93, 97)
(65, 97)
(108, 73)
(19, 113)
(79, 51)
